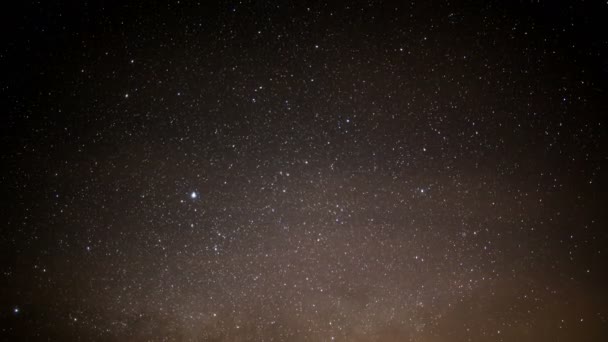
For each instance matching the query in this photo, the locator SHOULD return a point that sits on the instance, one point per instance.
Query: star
(193, 195)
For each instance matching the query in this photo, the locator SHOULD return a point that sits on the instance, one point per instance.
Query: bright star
(193, 195)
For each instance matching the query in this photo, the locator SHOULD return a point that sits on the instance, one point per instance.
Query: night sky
(304, 171)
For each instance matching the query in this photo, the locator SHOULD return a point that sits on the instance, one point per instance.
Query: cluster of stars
(287, 172)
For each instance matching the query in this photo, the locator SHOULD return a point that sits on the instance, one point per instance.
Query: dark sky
(304, 171)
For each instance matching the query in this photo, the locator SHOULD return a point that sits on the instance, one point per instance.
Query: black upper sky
(304, 171)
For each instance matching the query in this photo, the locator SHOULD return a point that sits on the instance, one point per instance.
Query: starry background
(304, 171)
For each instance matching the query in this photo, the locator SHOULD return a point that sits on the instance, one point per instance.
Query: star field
(285, 171)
